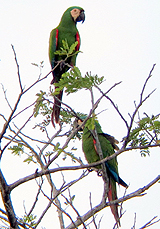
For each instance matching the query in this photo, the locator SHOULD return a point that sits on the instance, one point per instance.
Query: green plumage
(108, 145)
(67, 31)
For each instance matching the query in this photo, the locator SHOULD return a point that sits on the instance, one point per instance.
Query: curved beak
(81, 17)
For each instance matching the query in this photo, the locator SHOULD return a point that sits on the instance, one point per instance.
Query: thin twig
(9, 119)
(138, 106)
(115, 106)
(4, 91)
(134, 224)
(23, 110)
(150, 223)
(150, 74)
(36, 199)
(90, 201)
(79, 217)
(18, 73)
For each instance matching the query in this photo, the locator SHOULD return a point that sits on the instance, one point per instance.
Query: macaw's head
(76, 13)
(78, 121)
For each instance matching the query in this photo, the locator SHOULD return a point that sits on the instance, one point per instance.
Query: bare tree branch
(138, 106)
(41, 173)
(115, 106)
(5, 192)
(18, 72)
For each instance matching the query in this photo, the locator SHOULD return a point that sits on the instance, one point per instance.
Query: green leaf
(29, 159)
(56, 147)
(65, 44)
(90, 124)
(17, 149)
(39, 103)
(72, 48)
(145, 152)
(34, 64)
(70, 154)
(29, 219)
(67, 51)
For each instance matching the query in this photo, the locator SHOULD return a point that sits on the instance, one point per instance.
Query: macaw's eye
(76, 10)
(75, 13)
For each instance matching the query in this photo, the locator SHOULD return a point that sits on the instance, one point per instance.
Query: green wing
(53, 41)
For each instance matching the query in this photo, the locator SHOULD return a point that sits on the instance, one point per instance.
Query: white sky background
(119, 40)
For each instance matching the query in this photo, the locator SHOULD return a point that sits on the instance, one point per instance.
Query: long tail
(112, 195)
(56, 108)
(115, 176)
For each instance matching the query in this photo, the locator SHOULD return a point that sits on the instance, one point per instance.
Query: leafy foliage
(29, 219)
(17, 149)
(42, 107)
(146, 132)
(66, 117)
(73, 81)
(90, 124)
(66, 50)
(42, 104)
(70, 154)
(40, 66)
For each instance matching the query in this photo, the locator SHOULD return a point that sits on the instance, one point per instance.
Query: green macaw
(108, 144)
(66, 30)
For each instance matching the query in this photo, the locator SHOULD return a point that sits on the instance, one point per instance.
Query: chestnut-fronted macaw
(67, 31)
(108, 144)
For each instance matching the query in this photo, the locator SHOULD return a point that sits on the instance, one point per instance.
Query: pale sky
(120, 41)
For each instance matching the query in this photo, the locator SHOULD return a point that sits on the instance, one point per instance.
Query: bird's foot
(99, 173)
(62, 64)
(90, 170)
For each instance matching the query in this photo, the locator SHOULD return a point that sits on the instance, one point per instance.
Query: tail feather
(121, 182)
(56, 108)
(115, 175)
(112, 195)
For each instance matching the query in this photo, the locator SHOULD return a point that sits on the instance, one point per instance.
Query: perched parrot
(108, 144)
(66, 30)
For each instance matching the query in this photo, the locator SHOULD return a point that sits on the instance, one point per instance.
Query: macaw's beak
(81, 17)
